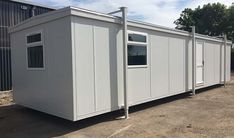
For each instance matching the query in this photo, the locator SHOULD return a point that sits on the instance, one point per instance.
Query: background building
(13, 12)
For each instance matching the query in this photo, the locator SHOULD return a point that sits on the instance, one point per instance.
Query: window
(137, 49)
(137, 55)
(35, 57)
(35, 54)
(136, 38)
(34, 38)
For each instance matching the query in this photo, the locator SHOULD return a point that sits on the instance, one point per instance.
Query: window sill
(36, 69)
(137, 66)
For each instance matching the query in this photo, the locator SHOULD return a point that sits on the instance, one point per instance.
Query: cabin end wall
(47, 89)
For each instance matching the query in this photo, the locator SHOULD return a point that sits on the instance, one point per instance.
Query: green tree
(211, 19)
(230, 25)
(186, 20)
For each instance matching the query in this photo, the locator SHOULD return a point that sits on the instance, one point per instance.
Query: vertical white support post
(125, 58)
(225, 58)
(193, 60)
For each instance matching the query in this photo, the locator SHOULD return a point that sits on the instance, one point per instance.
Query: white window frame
(139, 44)
(34, 44)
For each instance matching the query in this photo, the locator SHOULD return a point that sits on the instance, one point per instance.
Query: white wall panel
(209, 64)
(84, 69)
(222, 63)
(102, 68)
(228, 63)
(199, 63)
(189, 63)
(176, 65)
(138, 85)
(216, 63)
(159, 66)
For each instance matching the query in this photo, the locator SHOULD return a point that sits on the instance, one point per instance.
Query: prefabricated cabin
(69, 62)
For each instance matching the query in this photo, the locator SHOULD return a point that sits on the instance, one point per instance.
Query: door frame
(203, 62)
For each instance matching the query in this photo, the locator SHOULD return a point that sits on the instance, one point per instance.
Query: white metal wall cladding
(211, 65)
(177, 65)
(84, 52)
(167, 72)
(96, 81)
(138, 84)
(216, 63)
(228, 63)
(159, 66)
(48, 90)
(102, 68)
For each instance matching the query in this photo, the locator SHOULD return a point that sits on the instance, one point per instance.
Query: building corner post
(193, 60)
(125, 59)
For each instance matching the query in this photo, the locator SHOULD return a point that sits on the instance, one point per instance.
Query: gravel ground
(210, 113)
(6, 98)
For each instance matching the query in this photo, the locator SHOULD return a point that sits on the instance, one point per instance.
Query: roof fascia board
(40, 19)
(205, 37)
(156, 28)
(102, 17)
(108, 18)
(91, 15)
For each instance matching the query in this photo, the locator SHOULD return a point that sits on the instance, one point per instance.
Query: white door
(199, 63)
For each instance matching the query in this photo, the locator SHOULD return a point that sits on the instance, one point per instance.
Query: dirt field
(210, 113)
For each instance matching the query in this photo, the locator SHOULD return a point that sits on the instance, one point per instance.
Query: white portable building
(69, 63)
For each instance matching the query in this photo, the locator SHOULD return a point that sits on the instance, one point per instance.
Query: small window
(35, 51)
(137, 49)
(34, 38)
(136, 37)
(35, 57)
(137, 55)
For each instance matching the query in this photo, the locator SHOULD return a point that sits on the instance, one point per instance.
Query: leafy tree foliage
(230, 26)
(212, 19)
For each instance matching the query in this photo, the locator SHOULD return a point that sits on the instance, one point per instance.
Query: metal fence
(5, 59)
(12, 13)
(5, 70)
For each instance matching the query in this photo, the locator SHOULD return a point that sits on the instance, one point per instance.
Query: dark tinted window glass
(136, 38)
(137, 55)
(34, 38)
(35, 57)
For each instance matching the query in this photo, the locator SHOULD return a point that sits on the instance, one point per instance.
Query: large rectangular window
(35, 55)
(137, 49)
(137, 55)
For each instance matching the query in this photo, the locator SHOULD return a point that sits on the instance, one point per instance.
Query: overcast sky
(160, 12)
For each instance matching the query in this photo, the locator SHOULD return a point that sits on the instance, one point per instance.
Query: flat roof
(34, 3)
(80, 12)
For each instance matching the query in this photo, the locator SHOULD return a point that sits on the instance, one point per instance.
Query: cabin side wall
(165, 73)
(50, 89)
(169, 68)
(98, 67)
